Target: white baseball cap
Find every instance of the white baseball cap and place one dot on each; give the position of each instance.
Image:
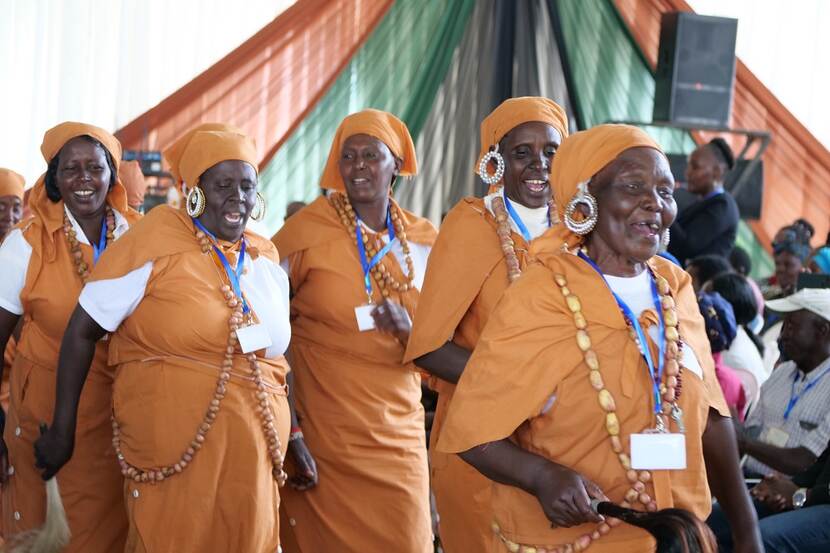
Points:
(816, 300)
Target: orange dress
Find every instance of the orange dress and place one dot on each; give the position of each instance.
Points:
(97, 520)
(468, 254)
(359, 405)
(167, 353)
(527, 380)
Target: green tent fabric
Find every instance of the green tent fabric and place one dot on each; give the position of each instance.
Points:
(399, 69)
(611, 81)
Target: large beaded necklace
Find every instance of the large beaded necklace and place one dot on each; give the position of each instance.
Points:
(81, 266)
(669, 389)
(266, 415)
(504, 232)
(382, 276)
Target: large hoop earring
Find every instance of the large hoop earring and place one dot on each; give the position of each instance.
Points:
(582, 197)
(195, 202)
(494, 155)
(258, 212)
(665, 239)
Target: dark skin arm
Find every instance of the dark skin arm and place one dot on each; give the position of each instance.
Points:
(565, 496)
(306, 476)
(720, 452)
(447, 362)
(54, 448)
(787, 460)
(8, 325)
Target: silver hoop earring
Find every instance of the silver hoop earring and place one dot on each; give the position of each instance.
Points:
(258, 212)
(482, 166)
(665, 239)
(582, 197)
(195, 202)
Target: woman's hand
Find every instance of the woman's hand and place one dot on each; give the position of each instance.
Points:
(392, 318)
(306, 476)
(566, 496)
(52, 450)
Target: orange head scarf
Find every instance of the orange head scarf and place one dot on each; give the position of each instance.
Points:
(515, 111)
(11, 184)
(175, 150)
(199, 150)
(134, 181)
(581, 156)
(379, 124)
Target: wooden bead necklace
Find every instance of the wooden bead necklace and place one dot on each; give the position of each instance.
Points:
(81, 266)
(264, 410)
(373, 243)
(505, 234)
(670, 392)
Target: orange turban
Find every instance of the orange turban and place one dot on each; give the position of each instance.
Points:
(11, 184)
(134, 181)
(581, 156)
(175, 151)
(513, 112)
(379, 124)
(199, 150)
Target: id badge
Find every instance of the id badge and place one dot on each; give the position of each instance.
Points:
(777, 437)
(253, 338)
(363, 314)
(658, 451)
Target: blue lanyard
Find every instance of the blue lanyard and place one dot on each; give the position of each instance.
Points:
(656, 373)
(361, 248)
(233, 274)
(518, 220)
(102, 243)
(795, 397)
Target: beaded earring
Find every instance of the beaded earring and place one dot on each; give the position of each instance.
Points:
(582, 197)
(259, 208)
(195, 202)
(665, 239)
(494, 155)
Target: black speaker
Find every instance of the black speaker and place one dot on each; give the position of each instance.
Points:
(695, 69)
(749, 197)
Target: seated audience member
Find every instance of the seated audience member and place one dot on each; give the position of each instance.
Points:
(820, 261)
(720, 329)
(708, 226)
(790, 254)
(744, 354)
(704, 268)
(791, 424)
(806, 227)
(742, 264)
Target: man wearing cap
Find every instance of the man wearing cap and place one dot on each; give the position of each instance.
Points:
(11, 200)
(790, 426)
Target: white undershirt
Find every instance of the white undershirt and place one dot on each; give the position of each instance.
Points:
(15, 253)
(535, 218)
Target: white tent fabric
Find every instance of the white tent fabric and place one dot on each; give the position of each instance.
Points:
(106, 61)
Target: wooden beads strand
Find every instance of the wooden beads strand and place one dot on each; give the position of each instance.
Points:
(382, 276)
(81, 266)
(267, 417)
(504, 232)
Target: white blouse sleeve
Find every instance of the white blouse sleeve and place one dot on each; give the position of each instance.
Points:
(111, 301)
(15, 254)
(265, 284)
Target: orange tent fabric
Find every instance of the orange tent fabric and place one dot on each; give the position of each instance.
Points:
(358, 404)
(271, 82)
(97, 522)
(794, 161)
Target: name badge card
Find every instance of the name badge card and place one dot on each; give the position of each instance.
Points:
(658, 451)
(363, 314)
(777, 437)
(253, 338)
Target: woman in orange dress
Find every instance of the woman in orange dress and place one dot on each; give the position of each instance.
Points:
(593, 378)
(79, 208)
(197, 309)
(470, 252)
(358, 405)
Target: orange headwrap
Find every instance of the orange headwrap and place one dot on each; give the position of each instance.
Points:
(174, 152)
(134, 181)
(581, 156)
(382, 125)
(11, 184)
(56, 137)
(513, 112)
(198, 151)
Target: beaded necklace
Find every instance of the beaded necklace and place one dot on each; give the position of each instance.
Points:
(504, 232)
(669, 388)
(373, 244)
(81, 266)
(264, 408)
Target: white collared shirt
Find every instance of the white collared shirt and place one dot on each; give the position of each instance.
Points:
(536, 219)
